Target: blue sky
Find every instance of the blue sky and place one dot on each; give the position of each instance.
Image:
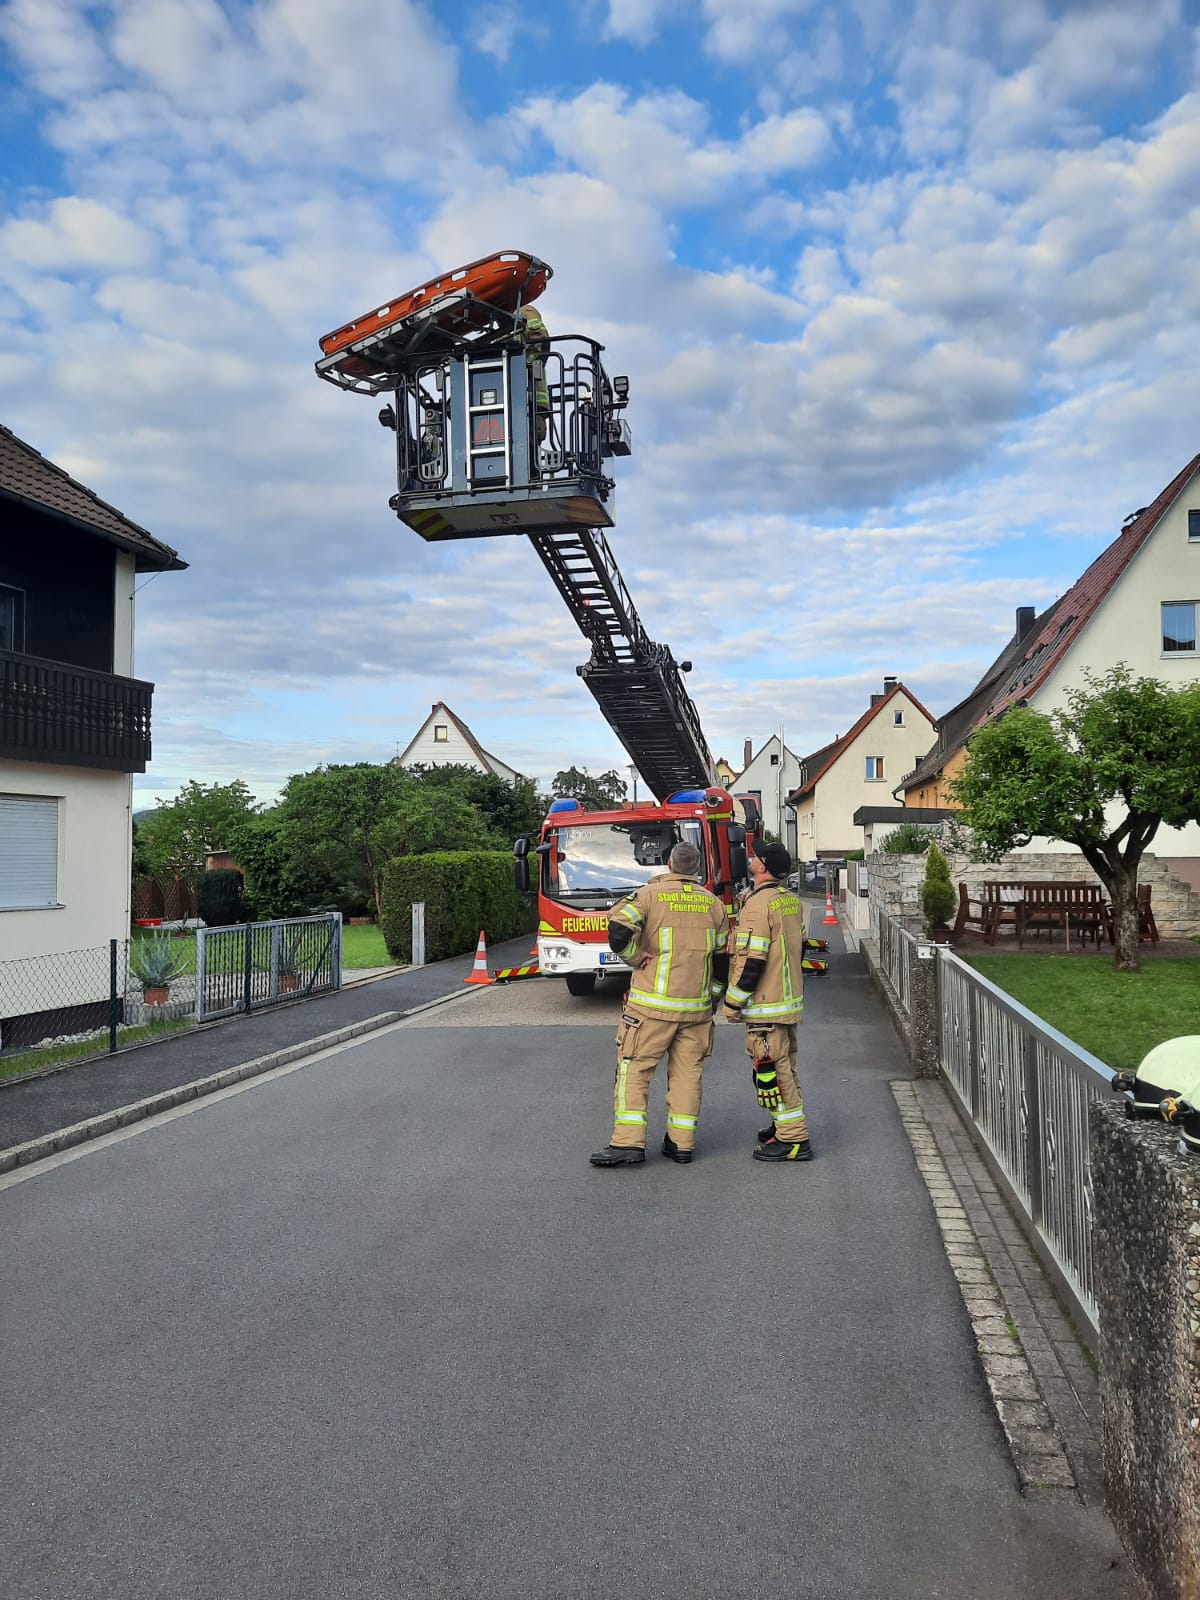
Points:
(907, 295)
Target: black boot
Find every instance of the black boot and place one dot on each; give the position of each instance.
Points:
(766, 1133)
(614, 1155)
(778, 1150)
(674, 1153)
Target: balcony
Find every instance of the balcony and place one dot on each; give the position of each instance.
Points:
(70, 716)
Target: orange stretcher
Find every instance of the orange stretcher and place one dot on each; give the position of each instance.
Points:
(507, 279)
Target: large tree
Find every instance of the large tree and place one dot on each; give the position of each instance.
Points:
(605, 792)
(172, 841)
(508, 809)
(1102, 775)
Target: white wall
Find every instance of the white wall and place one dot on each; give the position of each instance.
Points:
(760, 775)
(453, 751)
(1127, 627)
(845, 787)
(94, 847)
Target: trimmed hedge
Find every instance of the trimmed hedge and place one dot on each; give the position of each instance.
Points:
(219, 897)
(463, 891)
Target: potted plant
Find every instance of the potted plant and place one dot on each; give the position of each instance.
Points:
(155, 963)
(290, 952)
(938, 899)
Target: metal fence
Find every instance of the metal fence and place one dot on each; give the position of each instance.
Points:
(896, 955)
(76, 1004)
(256, 964)
(1027, 1089)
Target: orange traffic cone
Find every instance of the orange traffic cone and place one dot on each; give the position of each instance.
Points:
(479, 972)
(830, 917)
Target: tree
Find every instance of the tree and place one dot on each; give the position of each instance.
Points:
(909, 839)
(938, 898)
(277, 883)
(605, 792)
(508, 809)
(172, 842)
(1102, 775)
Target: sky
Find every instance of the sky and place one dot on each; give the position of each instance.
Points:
(907, 295)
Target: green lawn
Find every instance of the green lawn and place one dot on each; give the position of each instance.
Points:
(1117, 1016)
(361, 947)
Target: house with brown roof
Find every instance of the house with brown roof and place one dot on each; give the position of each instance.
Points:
(1138, 603)
(444, 740)
(857, 769)
(74, 728)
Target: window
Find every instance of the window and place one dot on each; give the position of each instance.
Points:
(1194, 526)
(774, 761)
(441, 733)
(1179, 628)
(28, 851)
(897, 719)
(12, 618)
(874, 769)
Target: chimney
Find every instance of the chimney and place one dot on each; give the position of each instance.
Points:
(747, 754)
(875, 699)
(1025, 616)
(889, 684)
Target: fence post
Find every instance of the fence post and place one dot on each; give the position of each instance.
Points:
(336, 962)
(249, 970)
(201, 971)
(418, 933)
(1033, 1129)
(974, 1065)
(112, 995)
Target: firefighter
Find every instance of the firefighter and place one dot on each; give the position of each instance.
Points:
(766, 992)
(673, 933)
(535, 337)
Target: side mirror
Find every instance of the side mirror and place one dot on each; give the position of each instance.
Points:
(737, 834)
(521, 846)
(739, 866)
(521, 874)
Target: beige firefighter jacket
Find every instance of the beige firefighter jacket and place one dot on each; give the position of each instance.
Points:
(770, 928)
(679, 926)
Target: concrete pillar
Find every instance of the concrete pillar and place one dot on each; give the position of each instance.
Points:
(923, 1012)
(1147, 1259)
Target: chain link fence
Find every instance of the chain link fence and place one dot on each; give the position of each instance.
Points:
(76, 1004)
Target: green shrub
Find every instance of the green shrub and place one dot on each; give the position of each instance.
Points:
(938, 896)
(463, 891)
(909, 839)
(219, 897)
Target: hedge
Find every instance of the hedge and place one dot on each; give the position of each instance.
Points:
(219, 897)
(463, 891)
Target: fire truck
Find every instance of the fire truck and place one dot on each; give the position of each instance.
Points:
(504, 429)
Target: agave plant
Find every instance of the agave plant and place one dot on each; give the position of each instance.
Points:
(155, 961)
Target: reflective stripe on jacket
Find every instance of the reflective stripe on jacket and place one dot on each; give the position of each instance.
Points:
(679, 926)
(770, 928)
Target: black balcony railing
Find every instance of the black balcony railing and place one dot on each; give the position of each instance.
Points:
(71, 716)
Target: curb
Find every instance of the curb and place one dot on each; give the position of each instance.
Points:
(59, 1139)
(1039, 1454)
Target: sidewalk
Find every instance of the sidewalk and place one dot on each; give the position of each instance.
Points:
(62, 1099)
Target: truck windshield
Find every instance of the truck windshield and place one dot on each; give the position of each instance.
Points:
(615, 858)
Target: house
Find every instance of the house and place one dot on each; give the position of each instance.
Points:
(767, 775)
(74, 728)
(1138, 603)
(856, 770)
(444, 740)
(725, 773)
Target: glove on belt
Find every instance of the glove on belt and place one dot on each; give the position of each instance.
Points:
(766, 1085)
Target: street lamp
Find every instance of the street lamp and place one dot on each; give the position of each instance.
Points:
(633, 775)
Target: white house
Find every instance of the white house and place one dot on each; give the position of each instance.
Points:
(1138, 603)
(74, 728)
(768, 775)
(857, 769)
(444, 740)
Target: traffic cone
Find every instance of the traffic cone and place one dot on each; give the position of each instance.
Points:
(479, 972)
(829, 920)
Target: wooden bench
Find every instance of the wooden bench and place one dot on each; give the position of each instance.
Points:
(997, 905)
(1075, 907)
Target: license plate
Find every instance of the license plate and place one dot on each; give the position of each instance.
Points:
(610, 958)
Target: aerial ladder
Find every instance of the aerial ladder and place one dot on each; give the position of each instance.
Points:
(500, 431)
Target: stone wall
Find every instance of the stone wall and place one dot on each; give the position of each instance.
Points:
(1147, 1259)
(895, 881)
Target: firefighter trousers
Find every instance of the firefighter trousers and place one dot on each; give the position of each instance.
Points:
(641, 1043)
(777, 1041)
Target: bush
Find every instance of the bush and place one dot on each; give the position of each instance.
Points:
(219, 897)
(938, 896)
(463, 891)
(909, 839)
(157, 961)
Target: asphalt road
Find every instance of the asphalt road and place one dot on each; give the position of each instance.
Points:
(373, 1327)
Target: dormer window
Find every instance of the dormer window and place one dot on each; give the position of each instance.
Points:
(441, 733)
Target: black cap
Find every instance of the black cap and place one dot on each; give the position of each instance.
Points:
(774, 857)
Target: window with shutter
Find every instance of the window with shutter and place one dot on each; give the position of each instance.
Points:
(28, 851)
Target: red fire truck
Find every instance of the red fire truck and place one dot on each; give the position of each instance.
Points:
(502, 432)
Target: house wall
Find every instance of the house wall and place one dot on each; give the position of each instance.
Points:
(453, 752)
(937, 791)
(763, 778)
(845, 786)
(66, 577)
(1127, 627)
(94, 843)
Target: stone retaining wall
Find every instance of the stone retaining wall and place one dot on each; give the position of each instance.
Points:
(895, 882)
